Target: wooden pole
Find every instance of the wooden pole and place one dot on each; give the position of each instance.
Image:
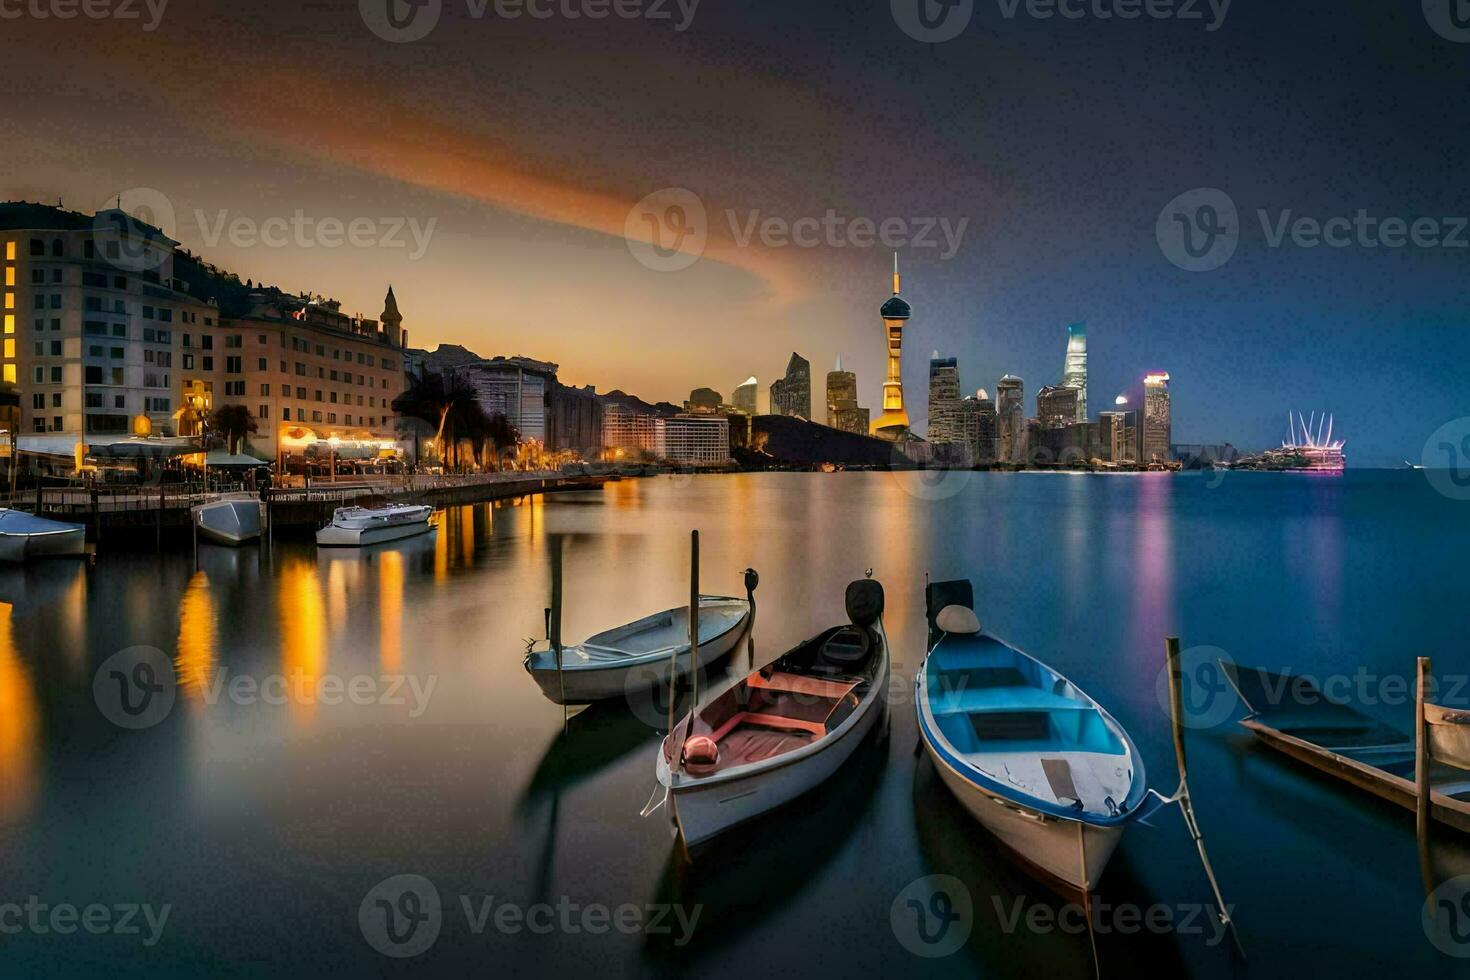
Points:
(556, 623)
(1176, 702)
(158, 523)
(96, 520)
(1422, 760)
(694, 618)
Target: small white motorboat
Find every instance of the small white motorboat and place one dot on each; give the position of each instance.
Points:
(356, 527)
(637, 657)
(1035, 760)
(24, 537)
(782, 730)
(232, 520)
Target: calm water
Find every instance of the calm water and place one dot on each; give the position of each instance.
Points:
(264, 825)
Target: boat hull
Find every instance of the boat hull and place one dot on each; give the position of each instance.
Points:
(41, 539)
(584, 685)
(1068, 855)
(333, 536)
(702, 809)
(229, 522)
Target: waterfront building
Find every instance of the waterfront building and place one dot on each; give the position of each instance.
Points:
(310, 373)
(1011, 419)
(894, 422)
(1056, 406)
(979, 428)
(518, 388)
(694, 440)
(1074, 369)
(110, 330)
(841, 387)
(1157, 421)
(93, 319)
(689, 439)
(627, 434)
(792, 395)
(944, 400)
(1111, 436)
(745, 396)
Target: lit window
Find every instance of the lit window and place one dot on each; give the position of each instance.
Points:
(10, 301)
(10, 251)
(10, 368)
(10, 323)
(10, 275)
(10, 347)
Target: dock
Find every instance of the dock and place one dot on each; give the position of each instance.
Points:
(138, 518)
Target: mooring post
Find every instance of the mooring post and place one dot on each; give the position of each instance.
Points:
(158, 524)
(96, 519)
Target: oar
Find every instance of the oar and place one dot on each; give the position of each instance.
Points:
(1186, 805)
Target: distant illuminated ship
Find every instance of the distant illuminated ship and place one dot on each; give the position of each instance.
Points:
(1309, 449)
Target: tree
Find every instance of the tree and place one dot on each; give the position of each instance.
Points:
(231, 423)
(449, 403)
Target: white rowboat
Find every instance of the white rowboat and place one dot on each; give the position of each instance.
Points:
(232, 520)
(1035, 760)
(24, 537)
(636, 657)
(781, 731)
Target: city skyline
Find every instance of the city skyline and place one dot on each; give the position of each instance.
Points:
(537, 187)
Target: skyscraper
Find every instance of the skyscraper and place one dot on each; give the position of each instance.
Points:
(1056, 407)
(744, 397)
(1074, 370)
(1158, 428)
(1011, 417)
(894, 422)
(792, 395)
(944, 400)
(841, 386)
(978, 428)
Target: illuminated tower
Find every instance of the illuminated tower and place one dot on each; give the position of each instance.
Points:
(894, 422)
(1157, 419)
(744, 397)
(392, 320)
(1074, 371)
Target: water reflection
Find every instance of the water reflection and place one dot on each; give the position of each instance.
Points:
(18, 727)
(197, 638)
(303, 618)
(390, 611)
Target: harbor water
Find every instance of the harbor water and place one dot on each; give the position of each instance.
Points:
(327, 721)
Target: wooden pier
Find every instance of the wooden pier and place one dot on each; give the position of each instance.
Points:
(140, 518)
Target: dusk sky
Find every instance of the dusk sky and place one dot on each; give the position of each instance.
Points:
(1054, 143)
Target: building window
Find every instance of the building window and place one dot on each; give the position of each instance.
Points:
(232, 365)
(208, 363)
(263, 412)
(38, 248)
(188, 362)
(10, 251)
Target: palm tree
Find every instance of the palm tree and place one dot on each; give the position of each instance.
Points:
(450, 404)
(232, 423)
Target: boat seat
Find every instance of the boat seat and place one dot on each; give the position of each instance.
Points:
(973, 700)
(847, 647)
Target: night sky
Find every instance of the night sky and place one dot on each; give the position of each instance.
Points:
(1055, 142)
